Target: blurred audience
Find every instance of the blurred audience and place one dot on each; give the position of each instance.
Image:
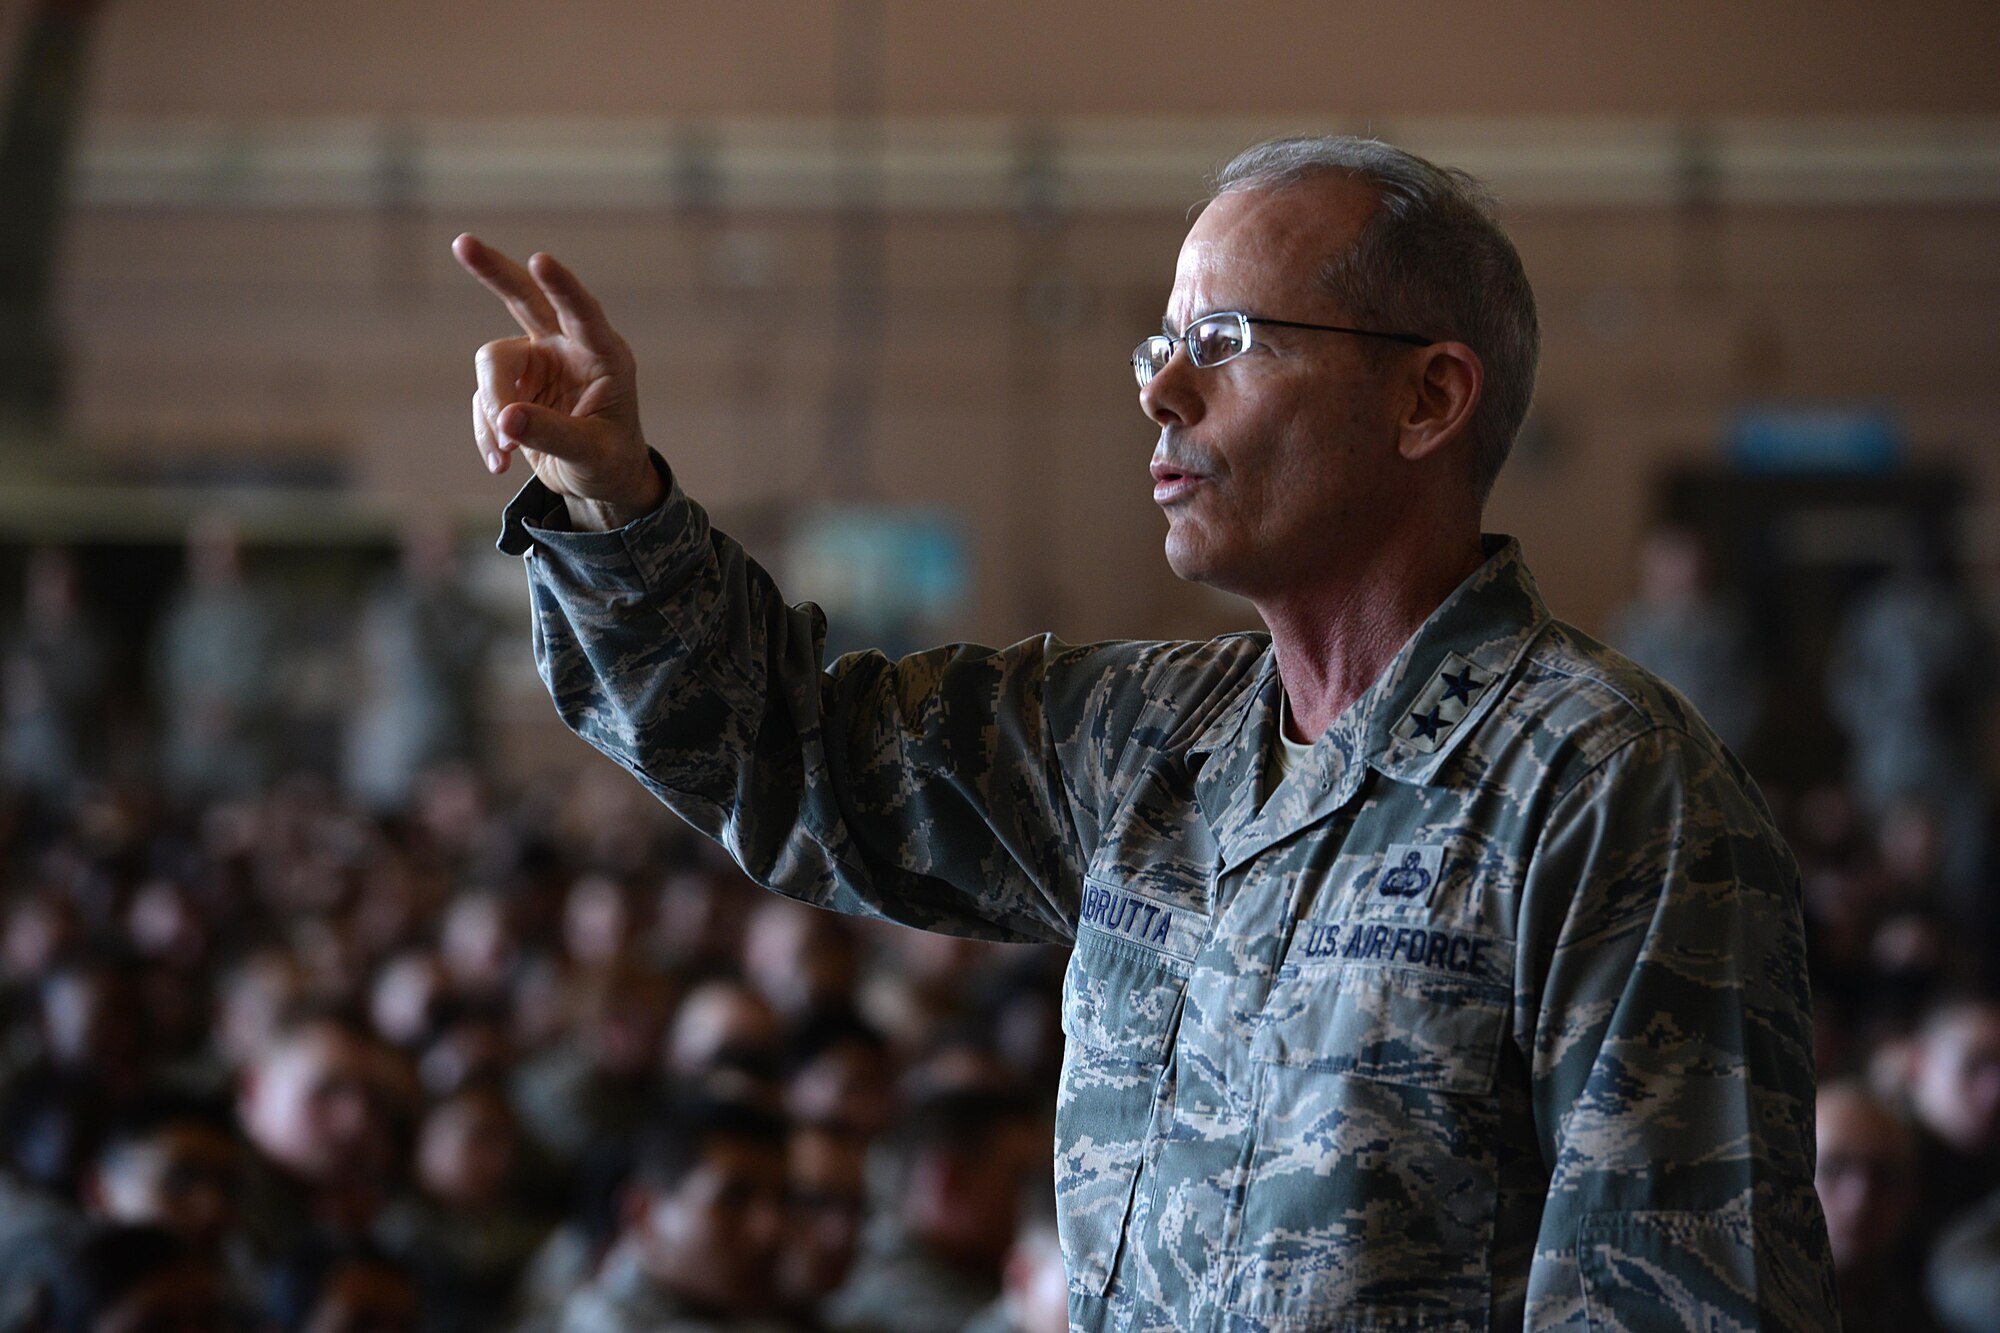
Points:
(431, 1054)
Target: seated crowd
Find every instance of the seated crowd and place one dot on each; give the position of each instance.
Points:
(545, 1062)
(540, 1063)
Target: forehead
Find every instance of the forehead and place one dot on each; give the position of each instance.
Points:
(825, 1157)
(1265, 242)
(732, 1157)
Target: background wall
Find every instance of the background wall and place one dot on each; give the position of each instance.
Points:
(1717, 204)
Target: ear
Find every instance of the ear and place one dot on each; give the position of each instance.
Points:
(1446, 389)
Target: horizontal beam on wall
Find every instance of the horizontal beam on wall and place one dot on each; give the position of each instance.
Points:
(988, 165)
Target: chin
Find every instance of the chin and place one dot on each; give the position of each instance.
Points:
(1185, 556)
(1195, 561)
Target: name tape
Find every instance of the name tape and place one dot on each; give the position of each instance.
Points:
(1127, 916)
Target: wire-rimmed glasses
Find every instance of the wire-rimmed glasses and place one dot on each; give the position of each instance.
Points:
(1225, 335)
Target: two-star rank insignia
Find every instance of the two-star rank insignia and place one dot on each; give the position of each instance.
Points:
(1442, 703)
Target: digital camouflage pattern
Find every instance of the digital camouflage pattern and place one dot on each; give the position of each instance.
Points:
(1494, 1014)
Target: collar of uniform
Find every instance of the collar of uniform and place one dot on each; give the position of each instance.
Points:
(1221, 730)
(1417, 712)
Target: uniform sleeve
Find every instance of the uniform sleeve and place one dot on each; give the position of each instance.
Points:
(954, 790)
(1666, 1022)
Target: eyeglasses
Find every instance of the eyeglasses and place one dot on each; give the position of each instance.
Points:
(1225, 335)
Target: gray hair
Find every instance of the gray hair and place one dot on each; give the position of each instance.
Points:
(1431, 260)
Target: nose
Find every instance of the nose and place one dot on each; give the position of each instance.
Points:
(1173, 396)
(764, 1228)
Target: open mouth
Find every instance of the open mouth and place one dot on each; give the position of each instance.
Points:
(1172, 483)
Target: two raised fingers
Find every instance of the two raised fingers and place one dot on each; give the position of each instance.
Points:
(545, 298)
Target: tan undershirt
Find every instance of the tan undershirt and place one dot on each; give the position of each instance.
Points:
(1287, 754)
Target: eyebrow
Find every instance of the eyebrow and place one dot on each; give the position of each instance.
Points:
(1168, 329)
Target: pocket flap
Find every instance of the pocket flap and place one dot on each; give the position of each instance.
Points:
(1390, 1024)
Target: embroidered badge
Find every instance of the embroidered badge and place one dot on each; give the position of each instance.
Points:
(1442, 703)
(1409, 871)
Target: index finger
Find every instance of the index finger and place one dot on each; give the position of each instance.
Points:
(582, 317)
(511, 283)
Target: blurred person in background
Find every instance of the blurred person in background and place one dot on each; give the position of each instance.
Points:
(321, 1285)
(91, 1067)
(601, 1082)
(723, 1024)
(479, 943)
(1963, 1278)
(167, 930)
(1867, 1181)
(924, 989)
(1034, 1293)
(408, 998)
(1953, 1091)
(55, 667)
(136, 1279)
(802, 960)
(1911, 679)
(1679, 628)
(95, 1038)
(464, 1234)
(174, 1163)
(326, 1104)
(423, 642)
(215, 673)
(825, 1205)
(698, 927)
(600, 923)
(259, 995)
(842, 1072)
(931, 1259)
(702, 1225)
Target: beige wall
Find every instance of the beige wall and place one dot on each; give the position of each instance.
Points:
(337, 330)
(1317, 57)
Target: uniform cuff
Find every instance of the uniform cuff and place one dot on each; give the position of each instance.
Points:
(647, 549)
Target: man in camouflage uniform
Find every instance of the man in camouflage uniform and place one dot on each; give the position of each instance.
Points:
(1434, 967)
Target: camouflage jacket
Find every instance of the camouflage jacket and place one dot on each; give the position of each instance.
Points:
(1493, 1015)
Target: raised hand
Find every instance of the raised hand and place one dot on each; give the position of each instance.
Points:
(563, 395)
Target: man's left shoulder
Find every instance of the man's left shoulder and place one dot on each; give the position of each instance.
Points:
(1579, 701)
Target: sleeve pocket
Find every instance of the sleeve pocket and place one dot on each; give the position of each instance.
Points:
(1121, 998)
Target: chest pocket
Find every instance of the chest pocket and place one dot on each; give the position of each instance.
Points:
(1374, 1180)
(1122, 1001)
(1391, 1002)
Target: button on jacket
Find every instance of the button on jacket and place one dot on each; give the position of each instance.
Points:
(1492, 1014)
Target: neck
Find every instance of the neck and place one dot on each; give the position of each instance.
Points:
(1336, 634)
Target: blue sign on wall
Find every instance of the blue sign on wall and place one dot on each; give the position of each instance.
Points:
(882, 565)
(1815, 437)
